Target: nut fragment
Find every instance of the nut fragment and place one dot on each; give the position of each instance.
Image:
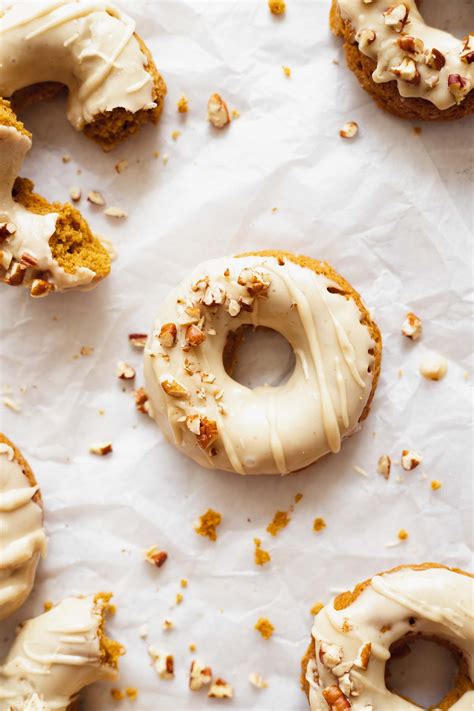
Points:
(199, 675)
(384, 465)
(396, 16)
(162, 663)
(28, 260)
(142, 401)
(330, 654)
(172, 388)
(208, 432)
(115, 212)
(220, 689)
(125, 371)
(335, 698)
(75, 193)
(96, 198)
(434, 367)
(214, 294)
(121, 165)
(258, 681)
(101, 449)
(410, 459)
(459, 87)
(217, 111)
(167, 335)
(194, 336)
(138, 340)
(363, 656)
(156, 557)
(407, 71)
(234, 308)
(7, 229)
(40, 288)
(16, 274)
(412, 326)
(349, 130)
(413, 45)
(467, 54)
(255, 281)
(435, 59)
(365, 37)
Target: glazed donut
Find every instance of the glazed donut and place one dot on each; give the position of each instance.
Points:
(43, 246)
(90, 47)
(222, 424)
(57, 654)
(22, 535)
(344, 666)
(410, 69)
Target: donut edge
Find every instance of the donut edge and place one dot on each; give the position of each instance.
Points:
(328, 271)
(386, 95)
(25, 467)
(345, 599)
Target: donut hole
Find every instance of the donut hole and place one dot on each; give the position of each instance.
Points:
(259, 356)
(453, 17)
(426, 671)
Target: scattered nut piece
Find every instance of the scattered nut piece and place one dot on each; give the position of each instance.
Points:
(279, 522)
(143, 631)
(410, 459)
(125, 371)
(131, 692)
(167, 625)
(96, 198)
(412, 326)
(349, 130)
(208, 523)
(402, 534)
(40, 288)
(138, 340)
(235, 114)
(156, 557)
(220, 689)
(317, 607)
(75, 193)
(101, 449)
(434, 367)
(115, 212)
(121, 165)
(319, 524)
(384, 465)
(258, 681)
(467, 54)
(261, 557)
(182, 105)
(167, 335)
(277, 7)
(86, 351)
(162, 663)
(11, 404)
(265, 627)
(435, 485)
(194, 336)
(142, 401)
(435, 59)
(459, 87)
(172, 388)
(396, 16)
(199, 675)
(175, 135)
(179, 598)
(217, 111)
(66, 158)
(117, 695)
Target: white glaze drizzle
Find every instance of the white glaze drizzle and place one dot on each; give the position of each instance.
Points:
(386, 52)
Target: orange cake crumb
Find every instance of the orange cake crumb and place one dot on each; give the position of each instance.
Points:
(402, 534)
(317, 607)
(208, 523)
(261, 556)
(277, 7)
(131, 692)
(279, 522)
(117, 695)
(47, 605)
(184, 583)
(265, 627)
(182, 105)
(319, 524)
(298, 498)
(179, 598)
(435, 485)
(286, 71)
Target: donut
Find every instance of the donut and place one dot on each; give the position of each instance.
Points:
(345, 664)
(411, 69)
(91, 48)
(57, 654)
(44, 246)
(22, 535)
(269, 430)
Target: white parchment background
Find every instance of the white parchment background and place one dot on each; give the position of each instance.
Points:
(391, 210)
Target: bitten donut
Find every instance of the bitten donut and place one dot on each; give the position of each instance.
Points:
(268, 430)
(345, 664)
(411, 69)
(22, 536)
(91, 48)
(43, 246)
(57, 654)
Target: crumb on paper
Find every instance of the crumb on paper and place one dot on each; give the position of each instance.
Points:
(156, 154)
(165, 159)
(258, 681)
(75, 193)
(179, 598)
(286, 71)
(317, 607)
(279, 522)
(101, 449)
(265, 627)
(117, 695)
(143, 631)
(434, 366)
(162, 663)
(121, 166)
(175, 135)
(182, 105)
(319, 524)
(131, 692)
(217, 111)
(116, 212)
(435, 485)
(349, 130)
(96, 198)
(403, 534)
(11, 404)
(66, 158)
(200, 675)
(261, 556)
(298, 498)
(156, 557)
(111, 609)
(361, 471)
(277, 7)
(125, 371)
(235, 114)
(183, 583)
(192, 647)
(137, 340)
(86, 351)
(47, 605)
(220, 689)
(418, 130)
(208, 524)
(384, 465)
(167, 625)
(412, 327)
(142, 401)
(410, 459)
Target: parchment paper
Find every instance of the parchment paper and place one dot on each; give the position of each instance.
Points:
(391, 210)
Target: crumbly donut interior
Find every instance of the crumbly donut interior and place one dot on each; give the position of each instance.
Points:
(110, 650)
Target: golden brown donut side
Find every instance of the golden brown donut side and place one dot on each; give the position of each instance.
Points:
(25, 467)
(349, 292)
(387, 95)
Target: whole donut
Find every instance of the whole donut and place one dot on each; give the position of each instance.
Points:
(411, 69)
(344, 666)
(22, 536)
(90, 47)
(268, 430)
